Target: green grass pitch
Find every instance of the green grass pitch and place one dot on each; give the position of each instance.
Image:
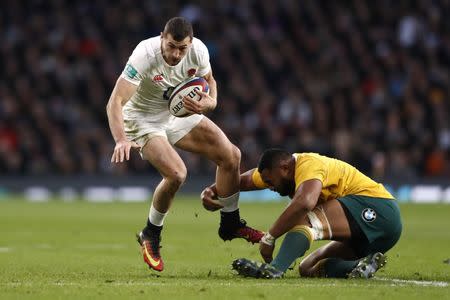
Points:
(80, 250)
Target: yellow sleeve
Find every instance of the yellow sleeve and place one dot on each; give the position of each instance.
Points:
(307, 168)
(257, 180)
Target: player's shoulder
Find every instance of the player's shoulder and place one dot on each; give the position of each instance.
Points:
(198, 46)
(149, 47)
(144, 55)
(310, 158)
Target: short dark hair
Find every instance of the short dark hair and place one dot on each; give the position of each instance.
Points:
(179, 28)
(271, 157)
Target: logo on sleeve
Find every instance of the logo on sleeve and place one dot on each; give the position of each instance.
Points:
(369, 215)
(192, 72)
(130, 71)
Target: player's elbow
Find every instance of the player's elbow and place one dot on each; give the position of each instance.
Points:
(310, 203)
(108, 108)
(304, 204)
(213, 105)
(210, 79)
(112, 100)
(115, 103)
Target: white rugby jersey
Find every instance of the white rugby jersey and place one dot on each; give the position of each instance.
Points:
(147, 68)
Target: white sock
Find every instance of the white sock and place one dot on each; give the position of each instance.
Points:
(230, 203)
(155, 217)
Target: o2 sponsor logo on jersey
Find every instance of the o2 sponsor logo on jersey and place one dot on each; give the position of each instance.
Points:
(191, 72)
(369, 215)
(167, 93)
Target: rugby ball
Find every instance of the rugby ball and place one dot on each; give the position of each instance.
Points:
(186, 89)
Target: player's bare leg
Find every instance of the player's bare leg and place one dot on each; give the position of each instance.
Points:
(312, 265)
(338, 259)
(208, 140)
(169, 164)
(166, 160)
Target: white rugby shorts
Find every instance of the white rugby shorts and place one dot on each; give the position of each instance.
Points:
(142, 127)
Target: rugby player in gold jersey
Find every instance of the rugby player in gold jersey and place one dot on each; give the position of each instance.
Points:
(331, 200)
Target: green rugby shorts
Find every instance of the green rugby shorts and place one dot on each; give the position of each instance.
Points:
(375, 222)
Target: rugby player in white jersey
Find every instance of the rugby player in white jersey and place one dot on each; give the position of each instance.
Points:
(139, 118)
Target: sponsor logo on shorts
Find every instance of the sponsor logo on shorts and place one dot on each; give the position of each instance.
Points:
(369, 215)
(130, 71)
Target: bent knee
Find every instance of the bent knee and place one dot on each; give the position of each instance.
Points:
(304, 270)
(176, 177)
(229, 157)
(235, 155)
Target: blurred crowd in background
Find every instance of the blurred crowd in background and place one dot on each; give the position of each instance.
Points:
(364, 81)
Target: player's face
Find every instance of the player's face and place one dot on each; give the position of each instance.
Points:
(174, 51)
(279, 181)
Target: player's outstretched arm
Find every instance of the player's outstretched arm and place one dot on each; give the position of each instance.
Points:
(209, 194)
(122, 92)
(247, 183)
(304, 201)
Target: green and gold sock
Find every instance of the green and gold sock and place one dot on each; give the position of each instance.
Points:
(295, 244)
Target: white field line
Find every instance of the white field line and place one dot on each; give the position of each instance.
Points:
(394, 281)
(261, 283)
(413, 282)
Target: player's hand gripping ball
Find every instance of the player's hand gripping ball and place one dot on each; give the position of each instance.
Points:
(188, 89)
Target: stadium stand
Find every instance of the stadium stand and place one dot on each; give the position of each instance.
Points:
(365, 81)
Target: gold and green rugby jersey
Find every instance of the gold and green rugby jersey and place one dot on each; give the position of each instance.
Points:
(338, 178)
